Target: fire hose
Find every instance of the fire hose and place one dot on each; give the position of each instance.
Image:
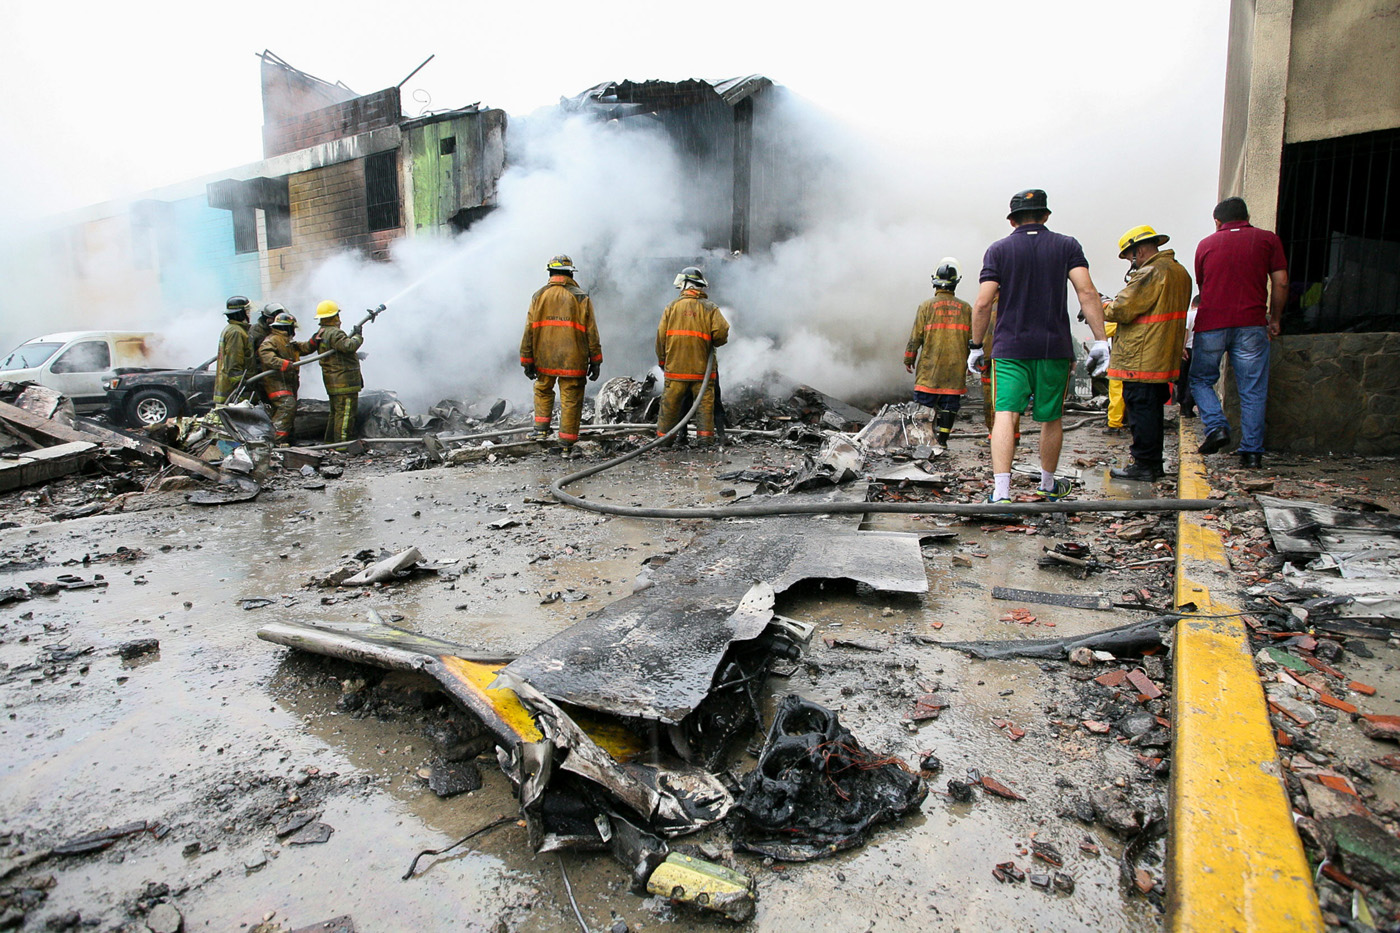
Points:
(248, 381)
(556, 489)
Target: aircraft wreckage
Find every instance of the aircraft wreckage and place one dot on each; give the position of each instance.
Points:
(611, 731)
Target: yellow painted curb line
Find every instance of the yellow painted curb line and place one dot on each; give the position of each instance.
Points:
(1234, 860)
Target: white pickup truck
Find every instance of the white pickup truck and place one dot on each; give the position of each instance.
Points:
(79, 364)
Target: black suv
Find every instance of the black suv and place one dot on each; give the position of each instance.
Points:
(138, 397)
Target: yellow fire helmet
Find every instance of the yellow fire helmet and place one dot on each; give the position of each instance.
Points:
(327, 309)
(1139, 235)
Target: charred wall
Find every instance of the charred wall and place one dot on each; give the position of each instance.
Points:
(338, 121)
(329, 214)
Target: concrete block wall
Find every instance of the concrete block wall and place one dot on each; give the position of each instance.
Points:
(328, 217)
(1336, 393)
(337, 121)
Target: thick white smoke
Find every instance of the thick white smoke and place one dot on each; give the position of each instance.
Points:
(606, 197)
(831, 305)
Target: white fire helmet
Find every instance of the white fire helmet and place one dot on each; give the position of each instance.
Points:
(949, 273)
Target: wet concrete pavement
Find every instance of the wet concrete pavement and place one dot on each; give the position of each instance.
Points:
(215, 734)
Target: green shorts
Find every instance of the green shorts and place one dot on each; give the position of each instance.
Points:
(1015, 382)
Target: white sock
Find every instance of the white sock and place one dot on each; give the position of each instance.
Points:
(1047, 480)
(1001, 485)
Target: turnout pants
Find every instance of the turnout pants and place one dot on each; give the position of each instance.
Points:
(676, 399)
(283, 403)
(345, 406)
(570, 405)
(1116, 403)
(1144, 402)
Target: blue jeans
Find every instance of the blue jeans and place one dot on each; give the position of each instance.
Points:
(1249, 359)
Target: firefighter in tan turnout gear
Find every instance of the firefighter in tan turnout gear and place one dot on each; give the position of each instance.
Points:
(340, 371)
(942, 328)
(235, 360)
(691, 326)
(1150, 313)
(560, 345)
(279, 354)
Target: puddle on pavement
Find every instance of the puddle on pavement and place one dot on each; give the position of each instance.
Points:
(121, 742)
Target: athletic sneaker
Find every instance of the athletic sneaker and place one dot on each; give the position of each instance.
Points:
(1062, 489)
(1009, 516)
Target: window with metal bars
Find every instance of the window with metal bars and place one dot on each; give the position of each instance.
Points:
(1341, 233)
(382, 190)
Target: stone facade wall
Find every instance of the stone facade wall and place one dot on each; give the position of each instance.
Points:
(1336, 393)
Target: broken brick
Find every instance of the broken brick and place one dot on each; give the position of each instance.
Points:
(1112, 678)
(1337, 782)
(1335, 703)
(1336, 874)
(1283, 739)
(1391, 761)
(1000, 789)
(1143, 684)
(1363, 689)
(1385, 728)
(1143, 880)
(1325, 668)
(1096, 727)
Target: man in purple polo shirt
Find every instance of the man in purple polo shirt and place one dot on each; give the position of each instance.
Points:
(1024, 275)
(1243, 282)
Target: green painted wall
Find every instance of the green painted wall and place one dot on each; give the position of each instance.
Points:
(445, 183)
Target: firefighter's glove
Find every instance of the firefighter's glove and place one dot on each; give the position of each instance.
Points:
(357, 330)
(1097, 363)
(974, 361)
(594, 368)
(531, 372)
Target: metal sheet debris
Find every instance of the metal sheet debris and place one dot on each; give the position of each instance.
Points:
(1072, 600)
(537, 741)
(654, 654)
(1353, 555)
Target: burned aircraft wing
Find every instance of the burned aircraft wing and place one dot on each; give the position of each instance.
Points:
(537, 739)
(654, 655)
(651, 655)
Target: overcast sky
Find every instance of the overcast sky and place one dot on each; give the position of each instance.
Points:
(1114, 108)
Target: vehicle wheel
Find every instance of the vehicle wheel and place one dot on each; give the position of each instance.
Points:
(150, 406)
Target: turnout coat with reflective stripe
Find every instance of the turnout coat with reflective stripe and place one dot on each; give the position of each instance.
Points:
(690, 326)
(1150, 313)
(561, 336)
(235, 359)
(939, 339)
(340, 371)
(276, 353)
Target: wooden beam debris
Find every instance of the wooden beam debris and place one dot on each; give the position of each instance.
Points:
(40, 466)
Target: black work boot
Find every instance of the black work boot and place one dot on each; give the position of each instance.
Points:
(1251, 460)
(1215, 440)
(944, 420)
(1140, 472)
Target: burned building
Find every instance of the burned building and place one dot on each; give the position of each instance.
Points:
(729, 137)
(341, 172)
(345, 171)
(1311, 141)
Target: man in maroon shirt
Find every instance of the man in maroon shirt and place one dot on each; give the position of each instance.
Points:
(1243, 281)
